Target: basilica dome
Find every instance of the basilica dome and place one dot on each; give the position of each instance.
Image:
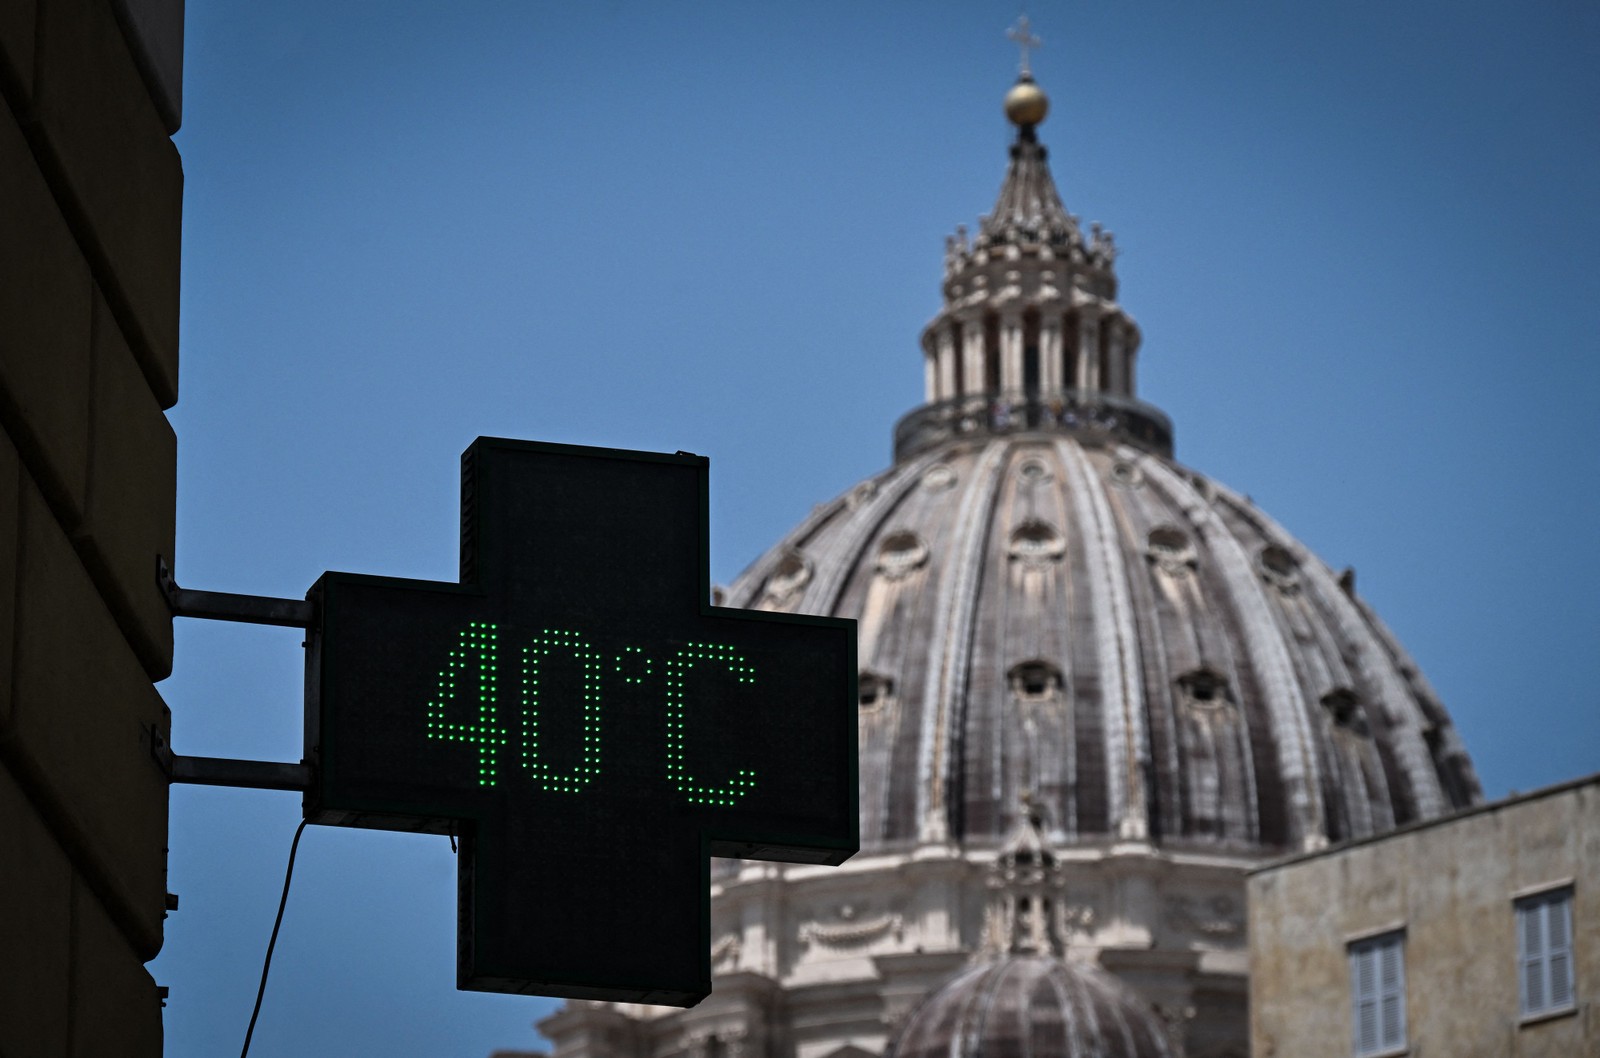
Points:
(1049, 604)
(1026, 1005)
(1097, 689)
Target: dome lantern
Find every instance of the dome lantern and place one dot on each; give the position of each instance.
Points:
(1031, 337)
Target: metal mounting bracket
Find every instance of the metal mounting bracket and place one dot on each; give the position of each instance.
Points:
(248, 774)
(226, 771)
(226, 606)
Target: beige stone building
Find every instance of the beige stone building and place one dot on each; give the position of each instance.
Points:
(90, 206)
(1473, 935)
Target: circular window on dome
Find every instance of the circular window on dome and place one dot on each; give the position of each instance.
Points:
(1034, 680)
(861, 494)
(940, 476)
(786, 582)
(1033, 472)
(900, 553)
(1126, 474)
(1279, 568)
(875, 691)
(1037, 543)
(1171, 549)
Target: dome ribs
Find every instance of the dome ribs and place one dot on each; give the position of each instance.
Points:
(1125, 584)
(835, 557)
(896, 614)
(1397, 698)
(748, 586)
(1090, 798)
(938, 787)
(1204, 778)
(1127, 745)
(1017, 729)
(1354, 781)
(1267, 655)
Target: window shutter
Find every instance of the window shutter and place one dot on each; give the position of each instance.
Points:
(1378, 994)
(1393, 982)
(1544, 952)
(1530, 938)
(1364, 995)
(1558, 923)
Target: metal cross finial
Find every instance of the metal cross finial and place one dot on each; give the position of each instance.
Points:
(1023, 35)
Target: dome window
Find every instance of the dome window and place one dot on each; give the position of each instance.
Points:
(1344, 709)
(1034, 680)
(1033, 472)
(1205, 687)
(1037, 543)
(1279, 568)
(900, 553)
(786, 583)
(1171, 549)
(861, 494)
(1126, 474)
(940, 476)
(874, 690)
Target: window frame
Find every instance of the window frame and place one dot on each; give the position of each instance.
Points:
(1536, 908)
(1367, 954)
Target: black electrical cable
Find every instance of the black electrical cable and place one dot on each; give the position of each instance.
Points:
(288, 875)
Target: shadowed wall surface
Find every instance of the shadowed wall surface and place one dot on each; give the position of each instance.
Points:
(90, 204)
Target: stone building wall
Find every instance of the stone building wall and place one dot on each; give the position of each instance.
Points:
(90, 208)
(1449, 888)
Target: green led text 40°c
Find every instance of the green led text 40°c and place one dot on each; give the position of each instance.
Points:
(473, 671)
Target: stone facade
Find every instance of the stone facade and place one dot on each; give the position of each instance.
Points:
(90, 205)
(1450, 893)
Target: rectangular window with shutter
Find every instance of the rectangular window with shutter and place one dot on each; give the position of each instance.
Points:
(1544, 953)
(1378, 995)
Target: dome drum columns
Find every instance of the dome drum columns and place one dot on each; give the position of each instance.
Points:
(1029, 349)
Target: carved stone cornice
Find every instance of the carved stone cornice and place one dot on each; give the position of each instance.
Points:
(851, 932)
(1100, 415)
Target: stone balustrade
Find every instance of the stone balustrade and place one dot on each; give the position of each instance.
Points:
(1068, 411)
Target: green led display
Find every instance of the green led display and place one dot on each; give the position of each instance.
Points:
(588, 727)
(473, 661)
(676, 706)
(477, 653)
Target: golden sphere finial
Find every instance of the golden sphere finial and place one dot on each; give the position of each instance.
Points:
(1026, 103)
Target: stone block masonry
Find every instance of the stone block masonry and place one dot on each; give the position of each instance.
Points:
(90, 221)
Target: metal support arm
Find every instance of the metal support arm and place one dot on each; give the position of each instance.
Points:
(248, 774)
(226, 606)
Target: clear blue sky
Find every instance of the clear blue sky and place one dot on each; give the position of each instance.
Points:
(1362, 240)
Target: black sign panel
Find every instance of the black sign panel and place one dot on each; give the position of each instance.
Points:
(584, 721)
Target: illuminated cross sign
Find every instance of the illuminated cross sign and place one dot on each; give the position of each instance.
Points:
(584, 721)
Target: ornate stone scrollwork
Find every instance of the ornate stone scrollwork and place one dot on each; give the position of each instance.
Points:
(786, 583)
(1170, 549)
(850, 931)
(875, 690)
(900, 554)
(725, 951)
(939, 477)
(1076, 918)
(1216, 917)
(1036, 543)
(1127, 475)
(860, 494)
(1279, 568)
